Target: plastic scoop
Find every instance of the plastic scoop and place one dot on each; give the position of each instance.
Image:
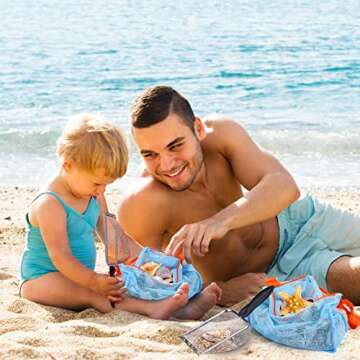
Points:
(225, 331)
(119, 247)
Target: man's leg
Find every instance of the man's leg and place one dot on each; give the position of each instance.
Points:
(336, 233)
(343, 276)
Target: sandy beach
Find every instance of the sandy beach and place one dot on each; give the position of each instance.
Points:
(31, 331)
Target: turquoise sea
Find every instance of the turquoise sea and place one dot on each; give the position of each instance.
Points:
(289, 71)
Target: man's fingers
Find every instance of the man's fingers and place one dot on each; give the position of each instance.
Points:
(187, 252)
(262, 278)
(184, 241)
(193, 240)
(174, 241)
(205, 244)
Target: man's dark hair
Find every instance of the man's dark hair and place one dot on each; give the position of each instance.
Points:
(156, 103)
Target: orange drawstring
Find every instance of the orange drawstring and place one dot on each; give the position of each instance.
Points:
(272, 282)
(348, 307)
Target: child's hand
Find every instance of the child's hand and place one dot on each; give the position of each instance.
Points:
(108, 286)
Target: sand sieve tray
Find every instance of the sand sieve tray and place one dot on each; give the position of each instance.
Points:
(225, 331)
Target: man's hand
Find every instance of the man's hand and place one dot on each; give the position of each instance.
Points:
(196, 237)
(110, 287)
(241, 287)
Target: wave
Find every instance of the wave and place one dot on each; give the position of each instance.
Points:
(295, 142)
(33, 141)
(306, 142)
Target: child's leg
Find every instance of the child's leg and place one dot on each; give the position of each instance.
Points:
(160, 309)
(55, 289)
(200, 304)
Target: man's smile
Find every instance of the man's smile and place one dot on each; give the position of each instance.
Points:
(175, 172)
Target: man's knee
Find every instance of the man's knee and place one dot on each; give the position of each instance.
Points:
(342, 277)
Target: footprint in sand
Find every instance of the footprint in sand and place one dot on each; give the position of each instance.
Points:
(5, 276)
(23, 306)
(32, 341)
(47, 313)
(93, 331)
(12, 323)
(170, 336)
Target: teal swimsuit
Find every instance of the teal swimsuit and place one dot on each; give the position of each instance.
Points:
(36, 261)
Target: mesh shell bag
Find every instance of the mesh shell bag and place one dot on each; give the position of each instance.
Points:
(321, 325)
(144, 286)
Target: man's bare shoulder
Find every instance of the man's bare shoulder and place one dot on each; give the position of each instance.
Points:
(220, 129)
(145, 194)
(144, 212)
(218, 122)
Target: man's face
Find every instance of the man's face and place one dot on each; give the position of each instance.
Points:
(171, 151)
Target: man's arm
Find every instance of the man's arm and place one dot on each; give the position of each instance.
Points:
(271, 189)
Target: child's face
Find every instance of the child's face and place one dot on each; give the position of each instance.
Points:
(85, 184)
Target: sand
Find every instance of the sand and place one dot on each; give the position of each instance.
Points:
(32, 331)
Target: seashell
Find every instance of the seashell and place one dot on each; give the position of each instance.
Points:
(150, 268)
(215, 336)
(227, 345)
(164, 272)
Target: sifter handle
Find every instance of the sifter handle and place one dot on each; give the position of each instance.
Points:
(256, 301)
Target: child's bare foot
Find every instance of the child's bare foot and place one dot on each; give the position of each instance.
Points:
(200, 304)
(160, 309)
(163, 309)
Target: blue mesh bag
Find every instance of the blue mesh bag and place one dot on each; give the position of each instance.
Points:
(321, 325)
(141, 285)
(129, 260)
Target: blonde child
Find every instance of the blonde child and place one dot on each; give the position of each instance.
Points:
(57, 266)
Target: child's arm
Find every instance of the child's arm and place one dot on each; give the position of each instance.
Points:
(51, 219)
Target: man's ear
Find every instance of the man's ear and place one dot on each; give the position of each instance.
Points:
(199, 128)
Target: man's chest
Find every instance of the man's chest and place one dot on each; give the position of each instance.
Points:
(199, 206)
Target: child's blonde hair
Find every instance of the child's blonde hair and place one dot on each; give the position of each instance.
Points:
(92, 143)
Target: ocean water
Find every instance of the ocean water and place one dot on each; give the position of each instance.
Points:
(289, 71)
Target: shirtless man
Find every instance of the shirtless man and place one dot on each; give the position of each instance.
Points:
(193, 199)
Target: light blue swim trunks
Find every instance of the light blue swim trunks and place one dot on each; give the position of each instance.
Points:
(312, 236)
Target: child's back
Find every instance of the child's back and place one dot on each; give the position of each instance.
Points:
(80, 230)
